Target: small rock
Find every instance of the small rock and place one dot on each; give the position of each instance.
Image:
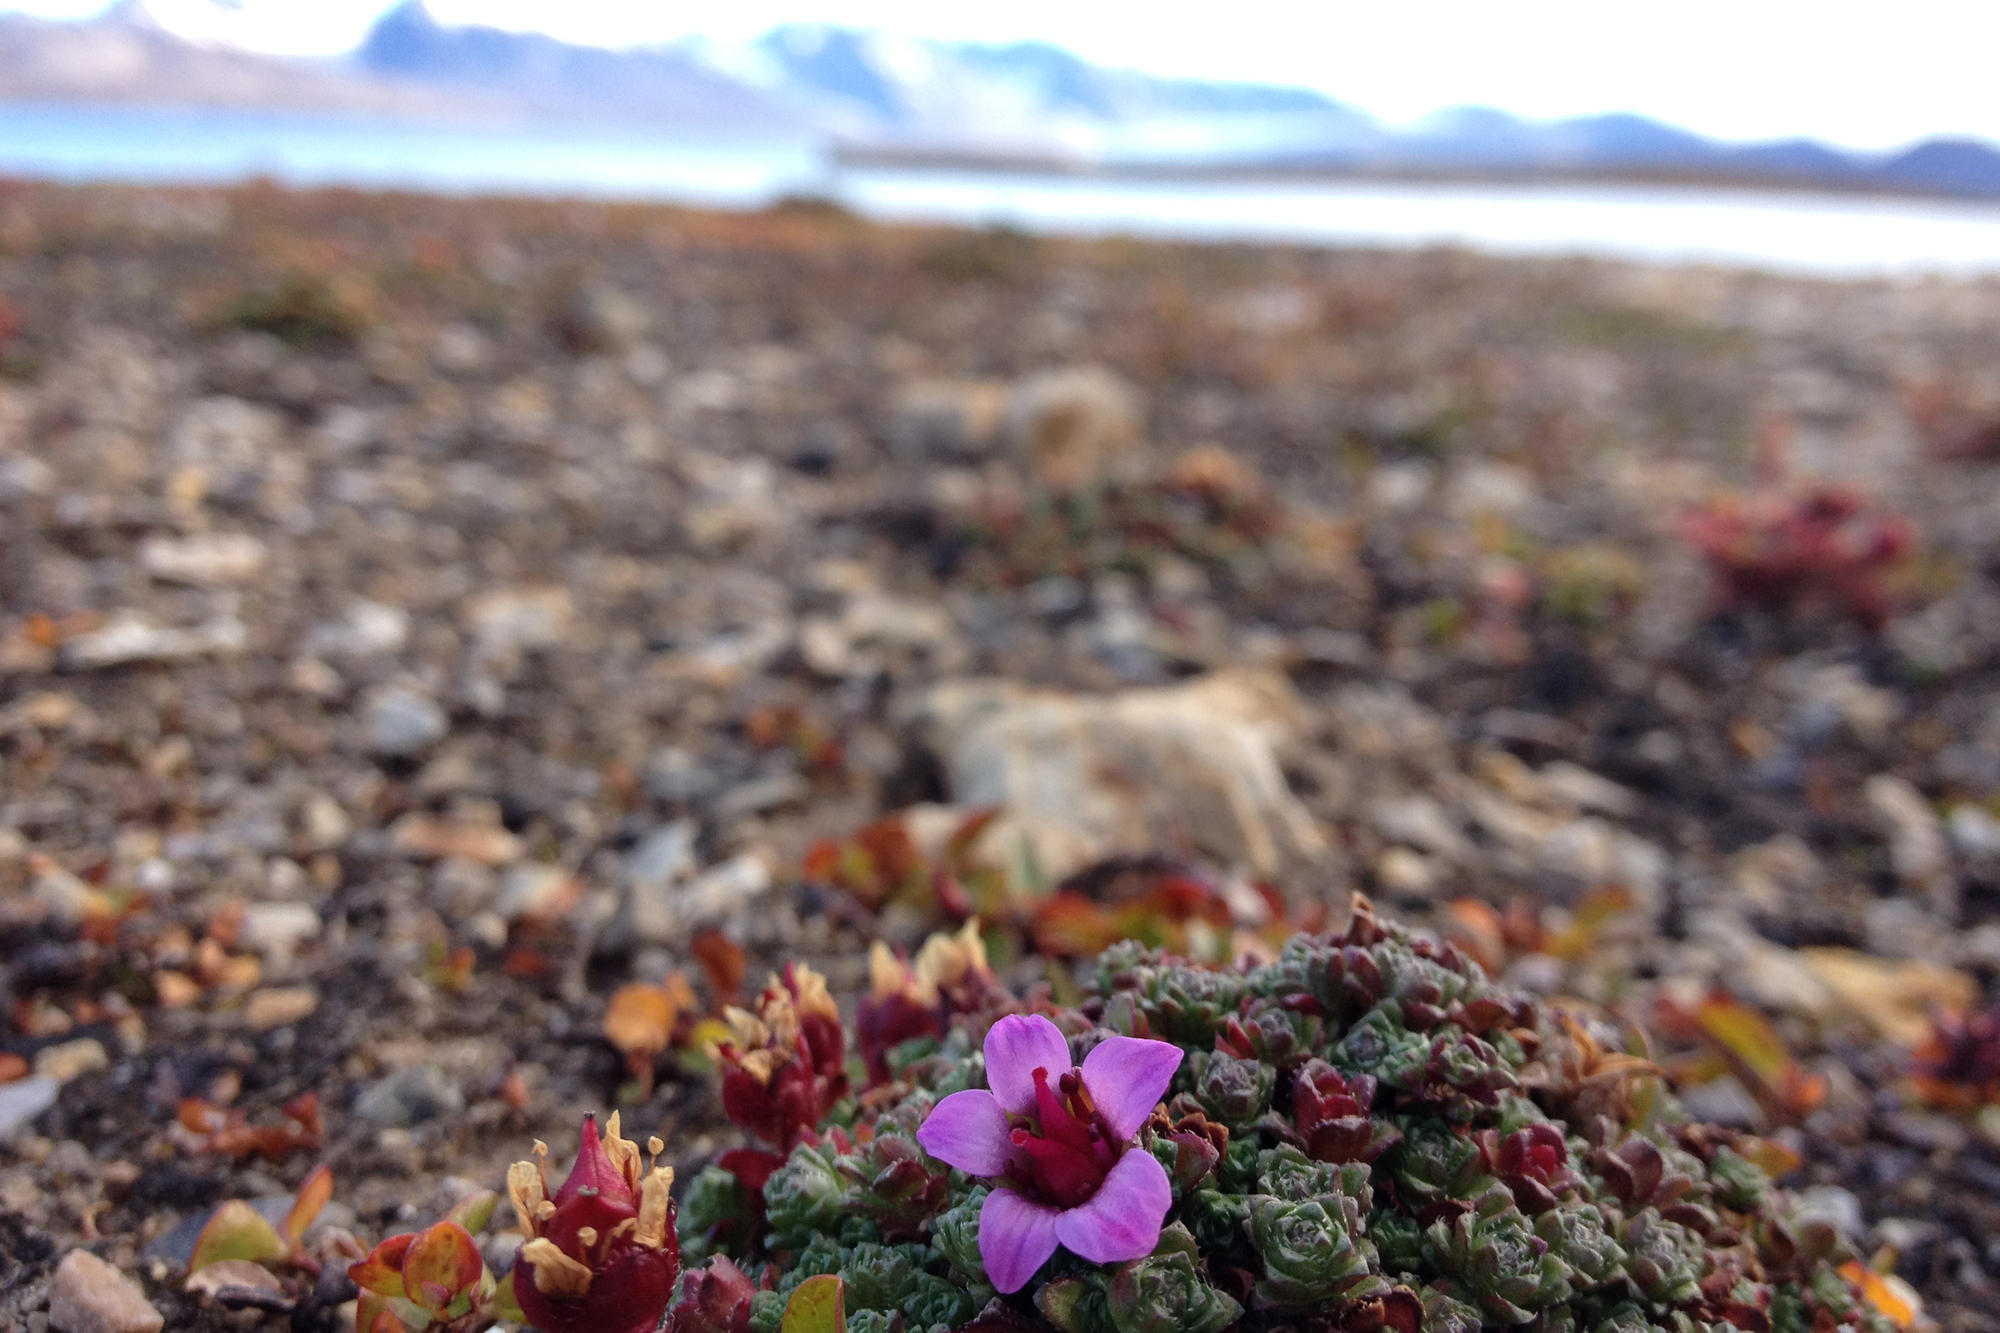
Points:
(1722, 1101)
(232, 1275)
(1832, 1204)
(724, 890)
(24, 1099)
(1586, 790)
(455, 839)
(677, 776)
(279, 1006)
(519, 619)
(404, 722)
(368, 629)
(1491, 488)
(762, 794)
(1087, 776)
(276, 930)
(409, 1097)
(1402, 871)
(1974, 832)
(1420, 822)
(536, 893)
(945, 419)
(127, 638)
(72, 1059)
(209, 559)
(1074, 425)
(87, 1295)
(1917, 845)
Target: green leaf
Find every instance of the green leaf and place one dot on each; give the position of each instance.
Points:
(816, 1307)
(473, 1211)
(238, 1231)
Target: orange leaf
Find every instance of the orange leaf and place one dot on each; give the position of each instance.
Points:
(640, 1019)
(382, 1271)
(312, 1196)
(441, 1270)
(1888, 1294)
(724, 962)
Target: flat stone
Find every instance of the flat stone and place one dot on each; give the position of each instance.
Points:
(276, 930)
(279, 1006)
(24, 1099)
(404, 722)
(87, 1295)
(409, 1097)
(72, 1059)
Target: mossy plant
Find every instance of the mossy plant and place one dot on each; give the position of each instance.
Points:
(1361, 1133)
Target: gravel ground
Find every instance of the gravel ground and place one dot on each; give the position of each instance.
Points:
(420, 618)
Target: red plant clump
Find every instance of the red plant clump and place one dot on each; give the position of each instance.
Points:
(1957, 1065)
(907, 1001)
(601, 1254)
(230, 1132)
(783, 1068)
(1787, 549)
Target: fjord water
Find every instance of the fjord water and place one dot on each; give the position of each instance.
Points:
(1840, 235)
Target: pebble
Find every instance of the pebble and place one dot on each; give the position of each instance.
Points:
(404, 722)
(87, 1295)
(279, 1006)
(1917, 846)
(409, 1097)
(207, 559)
(24, 1099)
(128, 638)
(1973, 832)
(72, 1059)
(1831, 1203)
(276, 930)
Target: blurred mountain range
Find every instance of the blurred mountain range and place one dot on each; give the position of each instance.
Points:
(884, 98)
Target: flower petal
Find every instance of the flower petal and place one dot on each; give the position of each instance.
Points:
(1016, 1046)
(1127, 1077)
(1016, 1237)
(1122, 1220)
(968, 1130)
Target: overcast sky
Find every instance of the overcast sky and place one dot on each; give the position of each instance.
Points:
(1867, 76)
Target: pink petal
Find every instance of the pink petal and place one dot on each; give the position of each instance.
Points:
(1016, 1047)
(1127, 1077)
(1122, 1220)
(1016, 1237)
(968, 1130)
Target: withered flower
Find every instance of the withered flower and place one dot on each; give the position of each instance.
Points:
(601, 1254)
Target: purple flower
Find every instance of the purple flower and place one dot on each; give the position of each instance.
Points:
(1057, 1141)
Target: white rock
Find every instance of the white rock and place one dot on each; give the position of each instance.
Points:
(24, 1099)
(404, 722)
(1975, 833)
(87, 1295)
(368, 629)
(276, 930)
(128, 637)
(1419, 821)
(1917, 847)
(1074, 425)
(1192, 766)
(209, 559)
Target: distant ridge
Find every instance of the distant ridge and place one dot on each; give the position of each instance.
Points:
(883, 98)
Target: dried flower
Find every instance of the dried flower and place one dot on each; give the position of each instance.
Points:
(601, 1254)
(1059, 1137)
(784, 1066)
